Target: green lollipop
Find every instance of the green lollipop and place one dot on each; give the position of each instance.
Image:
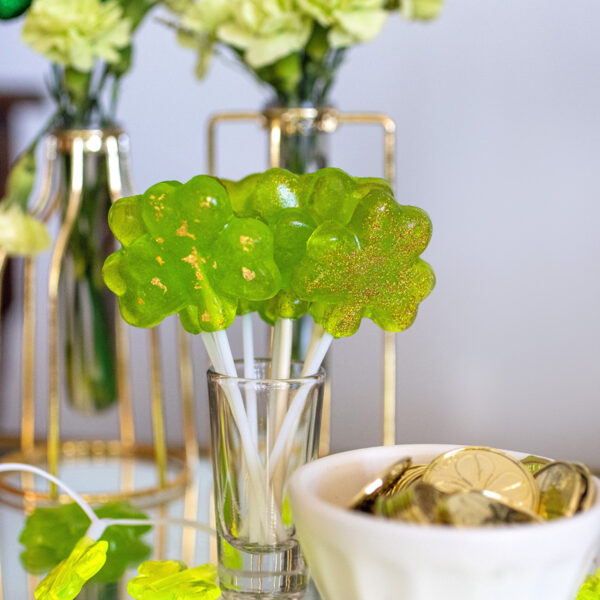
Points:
(184, 251)
(369, 268)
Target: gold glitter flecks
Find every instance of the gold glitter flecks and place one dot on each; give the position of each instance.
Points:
(158, 213)
(247, 274)
(183, 231)
(159, 284)
(160, 261)
(214, 265)
(140, 301)
(160, 241)
(247, 242)
(205, 317)
(193, 258)
(152, 197)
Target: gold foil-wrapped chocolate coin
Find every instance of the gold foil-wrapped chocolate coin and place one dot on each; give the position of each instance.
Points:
(481, 508)
(561, 490)
(417, 504)
(381, 485)
(589, 495)
(478, 468)
(408, 478)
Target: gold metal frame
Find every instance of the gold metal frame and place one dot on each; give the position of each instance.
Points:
(113, 144)
(286, 121)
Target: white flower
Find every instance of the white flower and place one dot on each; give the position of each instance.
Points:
(350, 21)
(21, 233)
(75, 33)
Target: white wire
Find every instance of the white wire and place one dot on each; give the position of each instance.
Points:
(87, 509)
(98, 525)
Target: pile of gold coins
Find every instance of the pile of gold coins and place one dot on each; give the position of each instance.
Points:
(476, 486)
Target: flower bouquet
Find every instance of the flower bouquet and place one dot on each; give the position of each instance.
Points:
(293, 46)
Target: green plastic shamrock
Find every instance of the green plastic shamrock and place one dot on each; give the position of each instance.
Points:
(369, 268)
(184, 251)
(590, 590)
(51, 533)
(65, 581)
(172, 580)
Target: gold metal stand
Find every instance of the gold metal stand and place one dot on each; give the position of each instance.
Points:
(288, 121)
(172, 466)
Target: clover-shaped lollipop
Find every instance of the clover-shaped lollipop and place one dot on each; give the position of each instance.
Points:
(184, 251)
(369, 268)
(51, 533)
(172, 580)
(69, 576)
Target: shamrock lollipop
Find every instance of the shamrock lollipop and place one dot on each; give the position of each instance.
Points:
(369, 268)
(185, 252)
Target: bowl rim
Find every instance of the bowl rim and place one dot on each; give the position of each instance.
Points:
(304, 480)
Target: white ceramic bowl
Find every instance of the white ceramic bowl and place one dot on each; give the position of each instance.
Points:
(354, 556)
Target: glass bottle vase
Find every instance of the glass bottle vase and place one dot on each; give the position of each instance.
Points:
(90, 170)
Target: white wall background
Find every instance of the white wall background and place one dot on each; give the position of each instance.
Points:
(498, 113)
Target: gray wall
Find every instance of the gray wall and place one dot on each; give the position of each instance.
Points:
(498, 113)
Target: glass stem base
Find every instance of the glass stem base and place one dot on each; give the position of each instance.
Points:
(262, 573)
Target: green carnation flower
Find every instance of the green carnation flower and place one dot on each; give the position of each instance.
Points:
(75, 33)
(349, 21)
(265, 30)
(200, 22)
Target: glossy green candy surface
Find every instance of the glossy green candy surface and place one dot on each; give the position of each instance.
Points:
(368, 268)
(184, 251)
(51, 533)
(282, 244)
(172, 580)
(65, 581)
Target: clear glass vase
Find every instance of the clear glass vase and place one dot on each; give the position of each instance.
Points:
(261, 430)
(90, 170)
